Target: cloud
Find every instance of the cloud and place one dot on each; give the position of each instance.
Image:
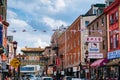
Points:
(28, 38)
(53, 23)
(11, 14)
(57, 6)
(27, 14)
(33, 6)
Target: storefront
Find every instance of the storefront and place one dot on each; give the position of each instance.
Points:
(76, 71)
(113, 67)
(97, 69)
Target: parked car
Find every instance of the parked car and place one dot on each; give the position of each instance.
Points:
(31, 77)
(77, 79)
(46, 78)
(68, 77)
(38, 77)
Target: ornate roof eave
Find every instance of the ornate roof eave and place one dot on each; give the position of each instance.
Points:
(32, 50)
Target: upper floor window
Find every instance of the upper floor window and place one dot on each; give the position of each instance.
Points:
(95, 11)
(102, 21)
(111, 42)
(86, 23)
(112, 19)
(116, 16)
(89, 31)
(103, 44)
(116, 40)
(97, 25)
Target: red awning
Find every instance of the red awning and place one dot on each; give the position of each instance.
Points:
(98, 63)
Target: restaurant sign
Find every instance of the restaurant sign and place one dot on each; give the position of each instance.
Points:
(95, 55)
(113, 54)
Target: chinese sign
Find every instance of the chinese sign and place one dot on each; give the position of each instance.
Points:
(94, 39)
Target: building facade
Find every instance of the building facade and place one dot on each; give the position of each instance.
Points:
(3, 37)
(97, 45)
(70, 45)
(113, 22)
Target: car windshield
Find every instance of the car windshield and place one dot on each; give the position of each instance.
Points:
(69, 78)
(30, 76)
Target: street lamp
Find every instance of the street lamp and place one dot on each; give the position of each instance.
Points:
(14, 47)
(87, 64)
(19, 57)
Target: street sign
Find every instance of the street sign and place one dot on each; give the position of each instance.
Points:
(15, 62)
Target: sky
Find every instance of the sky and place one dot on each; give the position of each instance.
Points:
(32, 21)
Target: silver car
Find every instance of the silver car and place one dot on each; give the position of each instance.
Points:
(46, 78)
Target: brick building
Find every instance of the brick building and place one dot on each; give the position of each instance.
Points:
(97, 56)
(113, 22)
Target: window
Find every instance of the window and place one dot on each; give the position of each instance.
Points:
(95, 11)
(116, 16)
(117, 40)
(102, 21)
(93, 29)
(86, 23)
(112, 19)
(111, 43)
(114, 41)
(103, 44)
(97, 25)
(89, 31)
(110, 2)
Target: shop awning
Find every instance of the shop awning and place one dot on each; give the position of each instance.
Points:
(98, 63)
(113, 62)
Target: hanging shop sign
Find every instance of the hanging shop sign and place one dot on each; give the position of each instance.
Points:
(94, 39)
(113, 54)
(95, 55)
(93, 47)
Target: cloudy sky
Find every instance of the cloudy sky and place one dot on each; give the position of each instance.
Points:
(32, 21)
